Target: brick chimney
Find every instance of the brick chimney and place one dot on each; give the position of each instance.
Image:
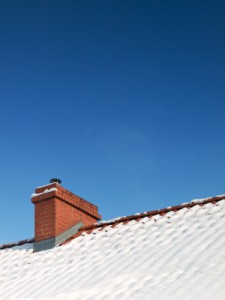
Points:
(59, 214)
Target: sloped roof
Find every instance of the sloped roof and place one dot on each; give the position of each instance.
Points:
(175, 253)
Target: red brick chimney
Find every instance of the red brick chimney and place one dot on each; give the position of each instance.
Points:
(59, 214)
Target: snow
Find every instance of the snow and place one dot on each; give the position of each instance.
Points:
(179, 255)
(27, 241)
(202, 200)
(109, 221)
(42, 186)
(44, 192)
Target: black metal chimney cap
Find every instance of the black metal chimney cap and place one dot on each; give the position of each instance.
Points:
(55, 180)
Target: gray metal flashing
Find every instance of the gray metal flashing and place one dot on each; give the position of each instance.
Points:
(55, 241)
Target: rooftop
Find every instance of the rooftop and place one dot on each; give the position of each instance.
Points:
(172, 253)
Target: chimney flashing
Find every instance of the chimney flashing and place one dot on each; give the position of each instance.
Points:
(58, 240)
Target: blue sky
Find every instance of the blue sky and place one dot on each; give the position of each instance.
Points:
(122, 100)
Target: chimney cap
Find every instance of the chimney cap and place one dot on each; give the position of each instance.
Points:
(56, 180)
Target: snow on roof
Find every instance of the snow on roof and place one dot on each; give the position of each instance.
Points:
(177, 253)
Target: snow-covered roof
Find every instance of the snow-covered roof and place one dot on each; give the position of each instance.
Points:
(175, 253)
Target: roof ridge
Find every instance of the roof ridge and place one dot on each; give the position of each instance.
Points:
(20, 243)
(161, 211)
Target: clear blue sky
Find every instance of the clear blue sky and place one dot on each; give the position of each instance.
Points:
(122, 100)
